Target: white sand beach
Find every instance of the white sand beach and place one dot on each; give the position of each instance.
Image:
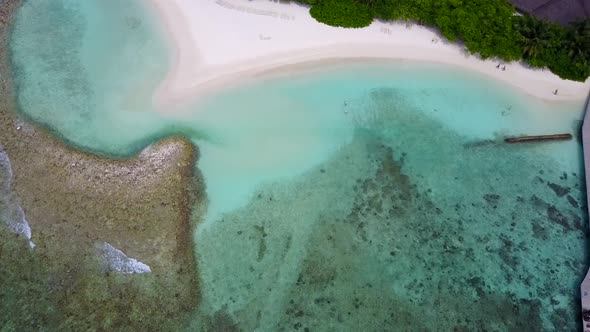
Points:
(217, 43)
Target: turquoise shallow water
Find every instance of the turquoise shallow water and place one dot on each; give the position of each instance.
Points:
(399, 210)
(74, 53)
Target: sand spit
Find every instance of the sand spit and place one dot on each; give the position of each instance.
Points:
(75, 200)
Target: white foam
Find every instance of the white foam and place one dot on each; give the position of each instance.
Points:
(5, 172)
(116, 261)
(18, 224)
(13, 214)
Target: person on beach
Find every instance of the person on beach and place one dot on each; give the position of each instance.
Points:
(503, 68)
(555, 92)
(498, 66)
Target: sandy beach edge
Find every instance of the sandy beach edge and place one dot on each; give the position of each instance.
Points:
(192, 76)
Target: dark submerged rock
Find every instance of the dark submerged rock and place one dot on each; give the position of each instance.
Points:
(559, 190)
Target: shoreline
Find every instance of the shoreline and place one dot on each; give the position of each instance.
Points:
(236, 42)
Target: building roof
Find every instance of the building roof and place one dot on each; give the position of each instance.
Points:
(558, 11)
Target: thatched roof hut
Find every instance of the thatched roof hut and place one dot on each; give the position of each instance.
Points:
(558, 11)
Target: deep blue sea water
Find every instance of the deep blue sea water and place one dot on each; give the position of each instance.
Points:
(375, 196)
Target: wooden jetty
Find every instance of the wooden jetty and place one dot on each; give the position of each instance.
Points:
(540, 138)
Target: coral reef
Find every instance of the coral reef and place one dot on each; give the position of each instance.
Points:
(74, 201)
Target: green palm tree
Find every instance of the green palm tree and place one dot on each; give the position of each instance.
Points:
(534, 36)
(579, 40)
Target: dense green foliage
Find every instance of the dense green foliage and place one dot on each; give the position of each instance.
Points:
(344, 13)
(488, 28)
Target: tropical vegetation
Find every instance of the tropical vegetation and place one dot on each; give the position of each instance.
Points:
(487, 28)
